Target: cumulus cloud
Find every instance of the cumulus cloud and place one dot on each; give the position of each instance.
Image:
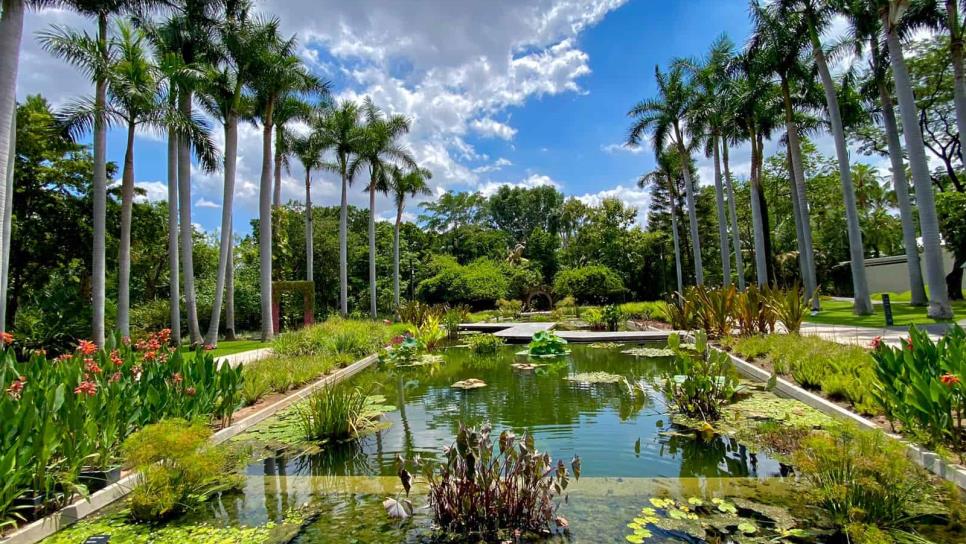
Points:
(496, 165)
(534, 180)
(611, 149)
(495, 129)
(632, 196)
(205, 203)
(153, 191)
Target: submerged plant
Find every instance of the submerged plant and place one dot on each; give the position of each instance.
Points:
(478, 490)
(547, 344)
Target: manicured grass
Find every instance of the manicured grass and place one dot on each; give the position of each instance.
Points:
(229, 347)
(836, 312)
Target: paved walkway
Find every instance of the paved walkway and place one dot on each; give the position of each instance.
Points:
(244, 357)
(862, 336)
(521, 332)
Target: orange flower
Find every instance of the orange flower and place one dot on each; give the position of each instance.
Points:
(86, 387)
(876, 342)
(949, 380)
(116, 358)
(91, 366)
(16, 387)
(7, 338)
(87, 347)
(909, 345)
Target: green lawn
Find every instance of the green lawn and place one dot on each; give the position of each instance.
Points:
(228, 347)
(840, 313)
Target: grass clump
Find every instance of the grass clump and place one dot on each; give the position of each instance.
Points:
(840, 372)
(282, 374)
(484, 344)
(179, 468)
(339, 412)
(337, 336)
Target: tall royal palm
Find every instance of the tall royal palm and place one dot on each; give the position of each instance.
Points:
(665, 178)
(309, 151)
(816, 15)
(289, 109)
(280, 73)
(891, 13)
(380, 149)
(663, 117)
(341, 130)
(404, 184)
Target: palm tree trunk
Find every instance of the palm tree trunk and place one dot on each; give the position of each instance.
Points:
(863, 303)
(732, 207)
(372, 248)
(959, 78)
(309, 233)
(277, 176)
(265, 229)
(395, 257)
(692, 212)
(939, 306)
(901, 185)
(99, 188)
(7, 226)
(224, 250)
(761, 263)
(677, 244)
(722, 220)
(803, 219)
(174, 283)
(763, 207)
(230, 292)
(796, 211)
(124, 244)
(187, 229)
(343, 245)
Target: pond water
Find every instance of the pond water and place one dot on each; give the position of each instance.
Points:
(629, 450)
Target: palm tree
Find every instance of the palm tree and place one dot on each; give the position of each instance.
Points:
(891, 13)
(404, 184)
(663, 117)
(341, 130)
(777, 46)
(280, 73)
(730, 132)
(378, 151)
(955, 25)
(816, 16)
(290, 109)
(309, 151)
(666, 173)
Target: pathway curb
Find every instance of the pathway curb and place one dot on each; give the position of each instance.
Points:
(67, 516)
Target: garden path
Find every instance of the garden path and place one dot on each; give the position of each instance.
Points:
(863, 336)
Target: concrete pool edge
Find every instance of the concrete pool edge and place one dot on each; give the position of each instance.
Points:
(42, 528)
(923, 457)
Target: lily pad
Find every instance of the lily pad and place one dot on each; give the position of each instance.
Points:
(401, 509)
(427, 359)
(604, 345)
(526, 367)
(649, 352)
(595, 377)
(470, 383)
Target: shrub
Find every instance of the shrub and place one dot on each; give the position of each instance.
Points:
(860, 478)
(612, 316)
(649, 310)
(452, 319)
(430, 334)
(337, 412)
(416, 312)
(480, 491)
(699, 385)
(509, 309)
(567, 306)
(179, 469)
(921, 385)
(589, 284)
(479, 284)
(789, 306)
(752, 313)
(335, 336)
(547, 344)
(484, 344)
(594, 318)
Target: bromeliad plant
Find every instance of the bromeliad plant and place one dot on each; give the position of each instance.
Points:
(699, 384)
(921, 386)
(480, 491)
(547, 344)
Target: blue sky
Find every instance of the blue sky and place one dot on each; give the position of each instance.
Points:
(508, 92)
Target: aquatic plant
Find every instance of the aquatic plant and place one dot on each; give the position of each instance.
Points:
(484, 344)
(649, 352)
(509, 309)
(179, 468)
(452, 319)
(612, 316)
(339, 412)
(921, 386)
(547, 344)
(469, 383)
(402, 352)
(415, 312)
(430, 334)
(595, 377)
(699, 385)
(485, 491)
(861, 477)
(336, 336)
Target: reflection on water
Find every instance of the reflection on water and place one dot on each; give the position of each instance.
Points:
(630, 451)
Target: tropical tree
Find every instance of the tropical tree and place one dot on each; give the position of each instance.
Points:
(309, 150)
(816, 16)
(665, 174)
(663, 117)
(955, 25)
(404, 184)
(379, 150)
(891, 14)
(280, 73)
(290, 108)
(340, 129)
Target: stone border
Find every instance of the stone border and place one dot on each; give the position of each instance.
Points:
(921, 456)
(42, 528)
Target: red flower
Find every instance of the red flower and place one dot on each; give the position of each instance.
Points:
(116, 358)
(387, 322)
(909, 345)
(397, 340)
(177, 378)
(164, 335)
(116, 377)
(209, 347)
(62, 358)
(91, 366)
(949, 380)
(16, 387)
(876, 342)
(150, 355)
(87, 347)
(40, 352)
(7, 338)
(190, 391)
(136, 371)
(86, 387)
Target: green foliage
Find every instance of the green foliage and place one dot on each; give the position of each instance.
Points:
(415, 312)
(484, 344)
(482, 490)
(547, 344)
(403, 353)
(714, 308)
(430, 334)
(920, 386)
(509, 309)
(789, 306)
(752, 312)
(647, 311)
(612, 316)
(589, 284)
(594, 318)
(282, 374)
(335, 337)
(179, 469)
(452, 319)
(479, 284)
(699, 385)
(861, 477)
(338, 412)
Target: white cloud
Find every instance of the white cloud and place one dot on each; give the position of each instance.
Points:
(632, 196)
(153, 191)
(204, 203)
(611, 149)
(534, 180)
(492, 167)
(489, 128)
